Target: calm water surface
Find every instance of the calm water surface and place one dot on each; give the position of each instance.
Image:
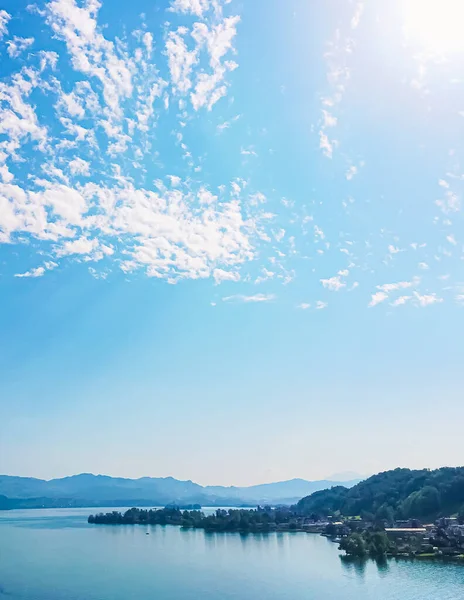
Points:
(56, 555)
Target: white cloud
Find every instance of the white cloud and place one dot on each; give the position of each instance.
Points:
(248, 152)
(329, 119)
(377, 298)
(18, 120)
(427, 299)
(451, 239)
(320, 305)
(423, 266)
(216, 40)
(304, 306)
(401, 300)
(49, 265)
(255, 298)
(325, 145)
(166, 233)
(221, 275)
(236, 189)
(266, 275)
(180, 61)
(71, 104)
(399, 285)
(207, 90)
(357, 15)
(148, 42)
(451, 202)
(4, 18)
(38, 272)
(79, 166)
(227, 124)
(334, 284)
(97, 165)
(175, 180)
(18, 45)
(194, 7)
(318, 232)
(352, 171)
(257, 198)
(387, 288)
(91, 53)
(279, 235)
(81, 246)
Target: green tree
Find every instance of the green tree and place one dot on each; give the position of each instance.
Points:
(378, 544)
(354, 545)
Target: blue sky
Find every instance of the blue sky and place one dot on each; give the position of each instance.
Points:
(231, 237)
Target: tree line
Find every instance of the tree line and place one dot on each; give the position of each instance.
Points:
(259, 519)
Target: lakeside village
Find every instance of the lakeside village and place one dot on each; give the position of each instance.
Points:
(357, 537)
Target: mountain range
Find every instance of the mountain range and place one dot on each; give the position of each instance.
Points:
(87, 489)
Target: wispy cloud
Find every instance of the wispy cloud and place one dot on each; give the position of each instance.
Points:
(377, 298)
(38, 272)
(18, 45)
(221, 275)
(401, 300)
(254, 298)
(334, 284)
(4, 18)
(356, 18)
(325, 145)
(427, 299)
(352, 171)
(248, 152)
(399, 285)
(87, 203)
(110, 124)
(194, 7)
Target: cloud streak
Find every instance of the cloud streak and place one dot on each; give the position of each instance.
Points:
(253, 299)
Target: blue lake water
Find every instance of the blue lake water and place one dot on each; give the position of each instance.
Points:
(56, 555)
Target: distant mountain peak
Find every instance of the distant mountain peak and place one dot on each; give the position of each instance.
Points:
(346, 476)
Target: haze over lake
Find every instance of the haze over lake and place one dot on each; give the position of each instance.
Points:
(57, 555)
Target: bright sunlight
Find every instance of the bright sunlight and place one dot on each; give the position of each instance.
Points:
(435, 24)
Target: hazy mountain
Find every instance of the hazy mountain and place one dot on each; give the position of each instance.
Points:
(281, 491)
(347, 476)
(95, 490)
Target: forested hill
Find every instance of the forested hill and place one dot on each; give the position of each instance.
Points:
(397, 494)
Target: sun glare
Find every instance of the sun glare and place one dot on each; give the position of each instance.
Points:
(437, 25)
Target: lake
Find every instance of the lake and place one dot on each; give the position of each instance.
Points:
(56, 555)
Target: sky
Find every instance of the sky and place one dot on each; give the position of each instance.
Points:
(231, 237)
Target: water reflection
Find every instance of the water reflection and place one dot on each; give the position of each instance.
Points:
(213, 539)
(354, 565)
(383, 566)
(357, 565)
